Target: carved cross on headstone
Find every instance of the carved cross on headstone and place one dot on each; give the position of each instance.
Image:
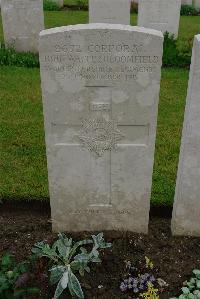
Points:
(102, 136)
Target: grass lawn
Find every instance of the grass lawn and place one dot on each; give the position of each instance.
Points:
(23, 170)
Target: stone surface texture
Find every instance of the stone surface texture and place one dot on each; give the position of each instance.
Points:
(163, 15)
(100, 86)
(186, 212)
(22, 22)
(112, 11)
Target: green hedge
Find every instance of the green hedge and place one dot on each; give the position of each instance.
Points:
(188, 10)
(11, 57)
(176, 53)
(49, 5)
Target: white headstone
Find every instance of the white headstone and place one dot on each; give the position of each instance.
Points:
(100, 86)
(22, 22)
(163, 15)
(186, 2)
(109, 11)
(197, 4)
(186, 212)
(60, 3)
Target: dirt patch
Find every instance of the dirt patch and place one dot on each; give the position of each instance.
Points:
(21, 225)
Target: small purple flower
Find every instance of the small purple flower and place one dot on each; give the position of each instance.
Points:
(130, 280)
(134, 285)
(135, 290)
(123, 287)
(146, 275)
(152, 279)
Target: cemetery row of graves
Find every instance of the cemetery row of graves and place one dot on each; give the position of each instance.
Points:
(103, 105)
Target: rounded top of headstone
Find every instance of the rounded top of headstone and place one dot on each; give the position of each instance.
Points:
(100, 26)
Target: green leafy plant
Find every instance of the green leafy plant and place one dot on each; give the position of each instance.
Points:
(49, 5)
(191, 289)
(176, 53)
(68, 257)
(151, 293)
(188, 10)
(22, 59)
(14, 278)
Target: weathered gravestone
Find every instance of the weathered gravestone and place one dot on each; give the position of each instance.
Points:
(22, 22)
(186, 213)
(163, 15)
(109, 11)
(100, 86)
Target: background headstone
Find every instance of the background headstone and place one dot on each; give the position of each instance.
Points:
(163, 15)
(22, 22)
(60, 3)
(109, 11)
(197, 4)
(186, 212)
(100, 86)
(186, 2)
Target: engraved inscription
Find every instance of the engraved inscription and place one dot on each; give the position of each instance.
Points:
(103, 211)
(100, 64)
(99, 135)
(99, 106)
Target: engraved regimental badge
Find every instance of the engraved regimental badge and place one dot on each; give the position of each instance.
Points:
(99, 135)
